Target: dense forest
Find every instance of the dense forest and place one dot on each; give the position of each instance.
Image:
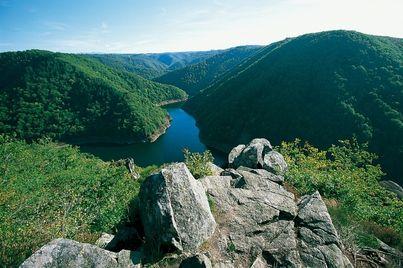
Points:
(319, 87)
(153, 64)
(195, 77)
(73, 98)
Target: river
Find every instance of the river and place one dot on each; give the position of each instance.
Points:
(183, 133)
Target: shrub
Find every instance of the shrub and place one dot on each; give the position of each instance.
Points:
(50, 190)
(198, 163)
(212, 204)
(346, 173)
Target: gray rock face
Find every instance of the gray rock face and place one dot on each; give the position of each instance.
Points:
(319, 243)
(104, 240)
(216, 170)
(69, 253)
(250, 155)
(393, 187)
(260, 224)
(274, 162)
(174, 210)
(235, 152)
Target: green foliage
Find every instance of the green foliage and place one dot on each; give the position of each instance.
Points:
(346, 174)
(367, 240)
(195, 77)
(319, 87)
(198, 163)
(231, 247)
(212, 204)
(49, 190)
(74, 98)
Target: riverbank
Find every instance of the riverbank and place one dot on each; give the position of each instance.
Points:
(167, 102)
(181, 133)
(163, 128)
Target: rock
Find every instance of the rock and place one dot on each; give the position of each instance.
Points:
(319, 242)
(130, 259)
(175, 212)
(231, 172)
(393, 187)
(69, 253)
(260, 262)
(257, 216)
(104, 240)
(260, 224)
(252, 155)
(196, 261)
(275, 163)
(216, 170)
(262, 173)
(235, 152)
(126, 237)
(131, 167)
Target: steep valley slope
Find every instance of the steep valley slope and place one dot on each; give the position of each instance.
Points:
(72, 98)
(320, 87)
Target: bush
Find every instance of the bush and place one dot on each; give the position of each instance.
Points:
(50, 190)
(346, 173)
(198, 163)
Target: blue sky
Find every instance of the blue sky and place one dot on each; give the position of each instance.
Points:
(136, 26)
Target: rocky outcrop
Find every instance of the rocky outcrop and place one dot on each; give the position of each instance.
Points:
(250, 155)
(255, 221)
(174, 210)
(69, 253)
(258, 153)
(260, 223)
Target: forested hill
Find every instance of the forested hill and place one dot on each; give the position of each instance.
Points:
(73, 98)
(319, 87)
(197, 76)
(153, 64)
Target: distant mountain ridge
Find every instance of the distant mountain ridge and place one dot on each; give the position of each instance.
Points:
(195, 77)
(319, 87)
(74, 98)
(152, 65)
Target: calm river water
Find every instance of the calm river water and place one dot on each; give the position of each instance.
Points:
(183, 133)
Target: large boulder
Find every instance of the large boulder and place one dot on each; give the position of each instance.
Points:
(274, 162)
(250, 155)
(69, 253)
(175, 211)
(319, 242)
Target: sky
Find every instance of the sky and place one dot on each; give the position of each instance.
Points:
(136, 26)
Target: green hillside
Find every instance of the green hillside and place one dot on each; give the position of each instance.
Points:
(195, 77)
(319, 87)
(77, 99)
(49, 191)
(154, 64)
